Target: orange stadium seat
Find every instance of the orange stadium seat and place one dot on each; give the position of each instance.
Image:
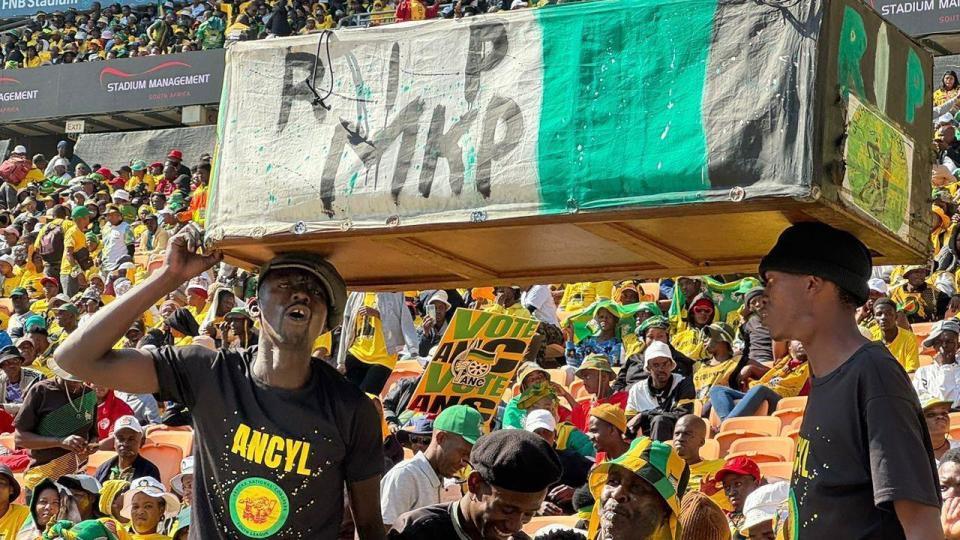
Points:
(790, 432)
(955, 433)
(954, 419)
(921, 329)
(710, 450)
(403, 369)
(181, 439)
(762, 449)
(22, 499)
(714, 420)
(166, 457)
(789, 409)
(780, 469)
(925, 360)
(746, 426)
(98, 458)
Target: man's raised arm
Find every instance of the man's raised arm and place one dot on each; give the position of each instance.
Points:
(88, 353)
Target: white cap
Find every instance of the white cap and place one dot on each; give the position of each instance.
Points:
(127, 422)
(440, 296)
(657, 349)
(61, 161)
(186, 469)
(763, 504)
(165, 212)
(539, 419)
(153, 488)
(19, 149)
(9, 260)
(87, 482)
(878, 285)
(945, 118)
(121, 194)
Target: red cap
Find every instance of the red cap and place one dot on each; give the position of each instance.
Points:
(175, 154)
(156, 164)
(105, 172)
(47, 279)
(739, 465)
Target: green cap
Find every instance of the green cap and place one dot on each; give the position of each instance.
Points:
(19, 291)
(653, 322)
(69, 307)
(138, 165)
(237, 313)
(462, 420)
(80, 212)
(92, 237)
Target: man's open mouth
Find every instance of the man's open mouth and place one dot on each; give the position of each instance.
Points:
(299, 313)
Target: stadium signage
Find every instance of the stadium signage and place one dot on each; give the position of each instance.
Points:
(153, 82)
(920, 17)
(10, 9)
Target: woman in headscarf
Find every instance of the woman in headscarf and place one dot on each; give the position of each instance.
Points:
(111, 502)
(948, 89)
(180, 328)
(223, 301)
(605, 339)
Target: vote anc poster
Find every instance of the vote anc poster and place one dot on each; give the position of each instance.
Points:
(474, 363)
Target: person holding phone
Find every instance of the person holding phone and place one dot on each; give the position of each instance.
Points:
(435, 323)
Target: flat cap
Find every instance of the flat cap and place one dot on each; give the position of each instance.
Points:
(516, 460)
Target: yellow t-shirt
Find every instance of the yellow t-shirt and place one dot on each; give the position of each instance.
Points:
(11, 522)
(30, 281)
(632, 345)
(324, 341)
(40, 307)
(702, 470)
(903, 347)
(73, 238)
(708, 376)
(35, 175)
(135, 536)
(690, 342)
(12, 282)
(368, 344)
(133, 182)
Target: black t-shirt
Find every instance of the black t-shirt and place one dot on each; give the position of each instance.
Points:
(270, 462)
(863, 445)
(434, 522)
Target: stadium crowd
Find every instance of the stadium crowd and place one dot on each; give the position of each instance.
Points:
(675, 409)
(122, 31)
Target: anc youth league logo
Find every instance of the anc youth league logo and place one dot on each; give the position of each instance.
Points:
(258, 507)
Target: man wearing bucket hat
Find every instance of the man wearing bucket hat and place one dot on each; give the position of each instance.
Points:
(865, 462)
(418, 481)
(936, 413)
(12, 515)
(512, 470)
(656, 403)
(596, 374)
(942, 377)
(638, 494)
(654, 328)
(15, 379)
(916, 297)
(146, 504)
(607, 429)
(240, 398)
(721, 367)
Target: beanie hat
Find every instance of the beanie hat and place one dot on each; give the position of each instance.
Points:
(817, 249)
(611, 414)
(702, 519)
(516, 460)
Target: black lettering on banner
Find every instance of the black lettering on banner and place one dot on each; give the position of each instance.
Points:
(500, 110)
(444, 145)
(298, 90)
(487, 47)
